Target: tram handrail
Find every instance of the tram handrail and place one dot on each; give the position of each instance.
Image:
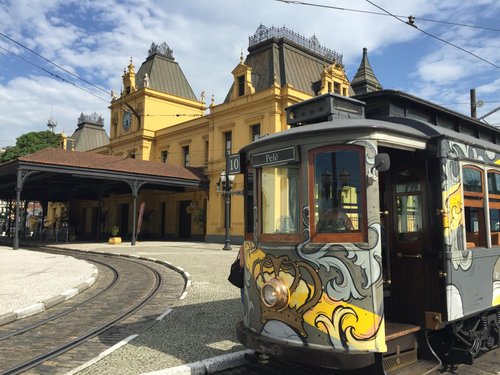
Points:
(417, 256)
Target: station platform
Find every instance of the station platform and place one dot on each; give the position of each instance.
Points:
(31, 281)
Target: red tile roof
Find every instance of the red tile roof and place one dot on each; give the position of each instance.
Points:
(87, 160)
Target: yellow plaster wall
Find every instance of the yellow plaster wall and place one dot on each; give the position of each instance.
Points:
(170, 122)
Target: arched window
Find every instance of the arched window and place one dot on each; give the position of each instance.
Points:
(494, 205)
(337, 194)
(474, 199)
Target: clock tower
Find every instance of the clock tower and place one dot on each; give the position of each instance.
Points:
(154, 98)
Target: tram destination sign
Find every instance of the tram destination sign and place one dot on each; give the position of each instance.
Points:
(273, 157)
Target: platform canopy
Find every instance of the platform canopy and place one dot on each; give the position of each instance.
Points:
(59, 175)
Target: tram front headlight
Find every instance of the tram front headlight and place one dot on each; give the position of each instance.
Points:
(275, 294)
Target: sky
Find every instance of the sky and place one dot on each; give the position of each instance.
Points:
(95, 40)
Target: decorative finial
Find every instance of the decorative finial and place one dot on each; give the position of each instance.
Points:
(131, 66)
(241, 57)
(213, 101)
(113, 95)
(202, 96)
(146, 80)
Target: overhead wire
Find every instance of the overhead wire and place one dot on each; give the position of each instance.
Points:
(411, 22)
(53, 63)
(53, 74)
(433, 36)
(294, 2)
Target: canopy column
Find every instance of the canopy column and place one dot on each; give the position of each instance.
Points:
(22, 175)
(135, 185)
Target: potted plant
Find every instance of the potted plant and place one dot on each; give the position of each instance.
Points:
(114, 233)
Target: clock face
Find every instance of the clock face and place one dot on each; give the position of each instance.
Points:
(126, 120)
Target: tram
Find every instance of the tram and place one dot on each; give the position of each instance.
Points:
(373, 229)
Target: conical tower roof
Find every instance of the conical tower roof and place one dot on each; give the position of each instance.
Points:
(164, 73)
(365, 81)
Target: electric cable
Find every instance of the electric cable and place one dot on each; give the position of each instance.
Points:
(412, 24)
(53, 63)
(53, 74)
(294, 2)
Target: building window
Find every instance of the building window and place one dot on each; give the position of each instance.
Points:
(206, 152)
(164, 156)
(241, 85)
(185, 155)
(255, 132)
(330, 87)
(228, 140)
(336, 88)
(475, 232)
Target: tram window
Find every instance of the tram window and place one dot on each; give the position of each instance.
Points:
(475, 231)
(336, 189)
(280, 200)
(409, 207)
(472, 180)
(249, 201)
(494, 206)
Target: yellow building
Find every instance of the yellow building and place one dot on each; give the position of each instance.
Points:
(158, 118)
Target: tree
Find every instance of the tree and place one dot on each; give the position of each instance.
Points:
(31, 142)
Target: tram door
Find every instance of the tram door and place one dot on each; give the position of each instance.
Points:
(412, 265)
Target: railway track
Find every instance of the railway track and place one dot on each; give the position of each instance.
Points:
(125, 299)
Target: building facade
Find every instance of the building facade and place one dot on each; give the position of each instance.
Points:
(158, 118)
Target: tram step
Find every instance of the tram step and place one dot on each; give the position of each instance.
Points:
(408, 351)
(420, 367)
(401, 338)
(403, 355)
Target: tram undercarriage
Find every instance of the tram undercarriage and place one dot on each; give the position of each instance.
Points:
(463, 340)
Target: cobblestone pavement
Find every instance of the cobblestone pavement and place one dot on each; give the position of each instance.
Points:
(202, 326)
(487, 364)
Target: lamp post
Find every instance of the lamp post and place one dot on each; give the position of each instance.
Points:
(227, 184)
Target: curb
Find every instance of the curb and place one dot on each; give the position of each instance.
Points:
(207, 366)
(203, 367)
(50, 302)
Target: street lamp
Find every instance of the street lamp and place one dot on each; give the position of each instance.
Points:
(226, 180)
(345, 177)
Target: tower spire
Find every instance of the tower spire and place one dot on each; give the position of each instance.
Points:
(365, 80)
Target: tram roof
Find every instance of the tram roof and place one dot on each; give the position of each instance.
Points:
(387, 111)
(402, 126)
(343, 126)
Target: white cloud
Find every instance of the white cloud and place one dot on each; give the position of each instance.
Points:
(95, 39)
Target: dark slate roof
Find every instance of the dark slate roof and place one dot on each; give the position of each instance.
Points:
(365, 81)
(291, 64)
(89, 136)
(91, 161)
(165, 75)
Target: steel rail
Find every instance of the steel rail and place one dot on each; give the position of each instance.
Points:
(35, 361)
